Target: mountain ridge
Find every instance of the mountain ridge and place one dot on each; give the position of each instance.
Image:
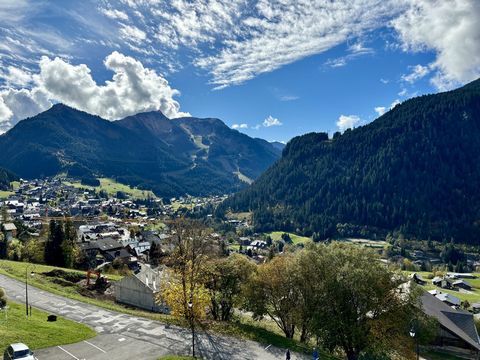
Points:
(147, 150)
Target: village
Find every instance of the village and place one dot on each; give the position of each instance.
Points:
(123, 236)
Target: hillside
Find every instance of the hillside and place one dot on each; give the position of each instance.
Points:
(416, 170)
(147, 150)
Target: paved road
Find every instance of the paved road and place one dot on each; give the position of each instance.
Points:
(124, 336)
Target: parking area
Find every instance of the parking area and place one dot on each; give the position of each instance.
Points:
(108, 346)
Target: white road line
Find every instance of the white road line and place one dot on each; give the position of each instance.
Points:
(68, 353)
(95, 346)
(268, 347)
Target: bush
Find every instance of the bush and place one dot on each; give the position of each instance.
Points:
(3, 298)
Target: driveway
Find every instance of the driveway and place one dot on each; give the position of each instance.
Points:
(122, 336)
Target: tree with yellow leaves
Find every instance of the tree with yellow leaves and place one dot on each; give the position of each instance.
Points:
(184, 293)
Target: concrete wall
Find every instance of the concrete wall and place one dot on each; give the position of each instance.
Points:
(130, 290)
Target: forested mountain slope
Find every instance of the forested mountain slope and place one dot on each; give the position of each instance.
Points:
(416, 169)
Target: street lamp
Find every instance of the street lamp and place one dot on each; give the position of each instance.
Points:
(26, 290)
(414, 335)
(192, 325)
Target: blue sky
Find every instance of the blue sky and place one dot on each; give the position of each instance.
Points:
(270, 68)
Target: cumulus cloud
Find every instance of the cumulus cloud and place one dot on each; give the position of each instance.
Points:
(450, 29)
(418, 72)
(132, 89)
(271, 121)
(16, 77)
(345, 122)
(380, 110)
(239, 126)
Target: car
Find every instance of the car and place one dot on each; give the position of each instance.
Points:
(18, 351)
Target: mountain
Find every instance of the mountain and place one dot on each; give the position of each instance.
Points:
(415, 170)
(278, 145)
(171, 157)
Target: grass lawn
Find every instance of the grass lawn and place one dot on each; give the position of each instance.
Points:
(36, 332)
(264, 332)
(296, 239)
(111, 187)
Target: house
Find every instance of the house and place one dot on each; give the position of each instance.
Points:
(448, 299)
(444, 283)
(457, 327)
(476, 308)
(418, 279)
(10, 231)
(141, 289)
(462, 284)
(453, 275)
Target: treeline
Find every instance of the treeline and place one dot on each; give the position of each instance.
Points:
(415, 170)
(58, 249)
(340, 298)
(6, 177)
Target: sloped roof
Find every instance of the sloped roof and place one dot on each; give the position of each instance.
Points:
(458, 322)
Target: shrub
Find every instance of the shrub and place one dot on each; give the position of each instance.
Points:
(3, 298)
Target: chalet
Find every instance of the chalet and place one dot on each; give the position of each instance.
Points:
(141, 290)
(418, 279)
(462, 284)
(457, 327)
(10, 231)
(444, 283)
(448, 299)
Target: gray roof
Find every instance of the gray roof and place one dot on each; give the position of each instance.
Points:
(458, 322)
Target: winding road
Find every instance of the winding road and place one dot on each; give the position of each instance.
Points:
(121, 336)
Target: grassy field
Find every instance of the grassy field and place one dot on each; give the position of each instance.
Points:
(472, 296)
(4, 194)
(112, 187)
(296, 239)
(264, 332)
(36, 332)
(366, 242)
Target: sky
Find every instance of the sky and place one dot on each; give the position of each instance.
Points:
(273, 69)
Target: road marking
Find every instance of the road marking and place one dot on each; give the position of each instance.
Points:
(268, 347)
(95, 346)
(68, 353)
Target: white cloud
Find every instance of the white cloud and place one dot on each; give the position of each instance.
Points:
(133, 89)
(395, 103)
(271, 121)
(289, 98)
(345, 122)
(418, 72)
(132, 34)
(450, 29)
(115, 14)
(239, 126)
(380, 110)
(280, 32)
(16, 77)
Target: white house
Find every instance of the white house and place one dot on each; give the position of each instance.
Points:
(141, 289)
